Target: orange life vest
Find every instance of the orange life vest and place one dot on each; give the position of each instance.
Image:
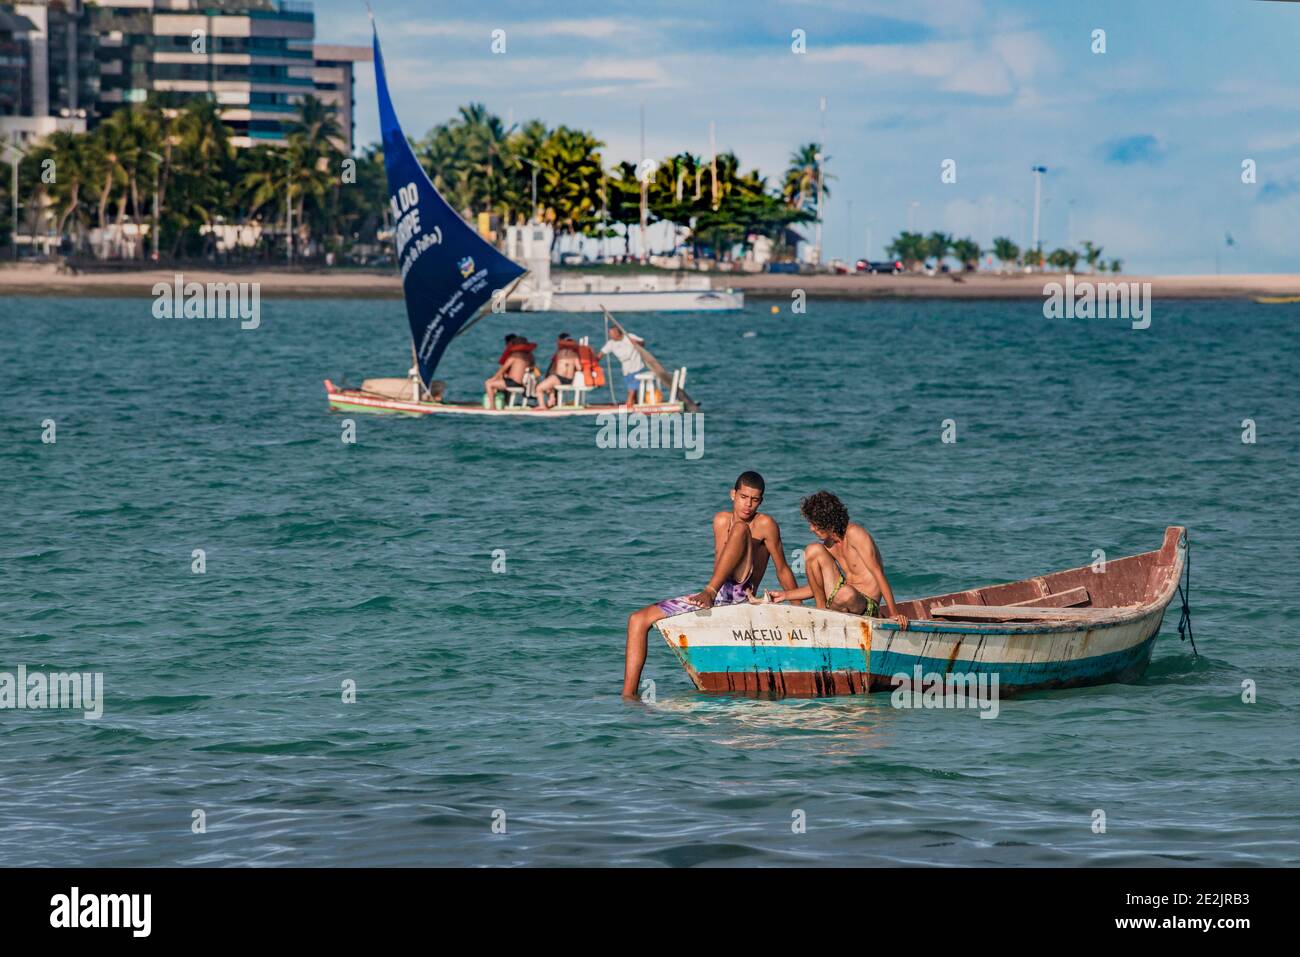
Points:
(517, 347)
(592, 370)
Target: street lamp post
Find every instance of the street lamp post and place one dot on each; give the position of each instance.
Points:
(1038, 172)
(821, 159)
(533, 215)
(848, 231)
(15, 154)
(288, 208)
(153, 230)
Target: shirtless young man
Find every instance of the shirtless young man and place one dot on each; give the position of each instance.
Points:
(513, 366)
(743, 540)
(564, 366)
(845, 572)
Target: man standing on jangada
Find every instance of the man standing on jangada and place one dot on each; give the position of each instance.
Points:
(743, 540)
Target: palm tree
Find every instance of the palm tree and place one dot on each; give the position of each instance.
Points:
(314, 156)
(623, 201)
(524, 155)
(1006, 251)
(1091, 255)
(799, 186)
(572, 170)
(201, 166)
(75, 164)
(112, 138)
(937, 247)
(1063, 259)
(262, 179)
(486, 138)
(911, 248)
(968, 253)
(316, 128)
(363, 205)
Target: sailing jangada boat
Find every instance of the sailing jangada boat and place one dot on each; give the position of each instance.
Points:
(448, 274)
(1061, 630)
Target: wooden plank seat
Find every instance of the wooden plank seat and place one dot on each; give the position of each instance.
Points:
(1062, 599)
(1019, 613)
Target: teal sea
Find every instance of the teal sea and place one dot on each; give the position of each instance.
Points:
(487, 695)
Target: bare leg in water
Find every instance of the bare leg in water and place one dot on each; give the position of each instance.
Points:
(735, 557)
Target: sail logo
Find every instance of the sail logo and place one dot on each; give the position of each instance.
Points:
(466, 267)
(661, 430)
(179, 299)
(1099, 300)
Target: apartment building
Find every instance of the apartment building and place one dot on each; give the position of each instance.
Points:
(63, 61)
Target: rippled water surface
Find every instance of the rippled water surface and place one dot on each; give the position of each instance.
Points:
(480, 692)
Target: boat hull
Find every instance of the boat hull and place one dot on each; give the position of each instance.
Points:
(809, 652)
(355, 400)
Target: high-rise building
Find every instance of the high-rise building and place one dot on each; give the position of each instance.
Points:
(48, 80)
(334, 83)
(15, 56)
(254, 57)
(65, 64)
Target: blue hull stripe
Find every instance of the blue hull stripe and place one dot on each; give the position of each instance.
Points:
(1126, 664)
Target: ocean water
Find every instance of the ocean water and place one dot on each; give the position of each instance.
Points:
(487, 695)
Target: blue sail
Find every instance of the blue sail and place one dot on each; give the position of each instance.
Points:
(448, 270)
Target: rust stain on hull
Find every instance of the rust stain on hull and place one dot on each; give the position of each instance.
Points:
(801, 684)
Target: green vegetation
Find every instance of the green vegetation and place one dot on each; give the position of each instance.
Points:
(71, 184)
(83, 193)
(916, 251)
(480, 166)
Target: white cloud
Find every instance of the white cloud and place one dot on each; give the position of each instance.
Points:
(647, 72)
(591, 29)
(995, 69)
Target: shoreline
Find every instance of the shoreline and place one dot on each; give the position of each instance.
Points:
(45, 280)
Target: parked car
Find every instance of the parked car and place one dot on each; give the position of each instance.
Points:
(891, 266)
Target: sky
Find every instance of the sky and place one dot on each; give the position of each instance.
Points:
(1144, 143)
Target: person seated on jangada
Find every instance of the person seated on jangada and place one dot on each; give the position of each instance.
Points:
(845, 571)
(564, 366)
(512, 367)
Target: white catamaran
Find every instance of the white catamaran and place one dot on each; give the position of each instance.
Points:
(449, 273)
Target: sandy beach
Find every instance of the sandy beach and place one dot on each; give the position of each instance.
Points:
(48, 280)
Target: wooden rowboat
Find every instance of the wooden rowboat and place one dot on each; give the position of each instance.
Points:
(1067, 629)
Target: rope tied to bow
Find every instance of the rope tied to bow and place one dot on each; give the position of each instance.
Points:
(1185, 593)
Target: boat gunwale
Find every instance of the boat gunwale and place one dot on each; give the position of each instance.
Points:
(1123, 615)
(412, 407)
